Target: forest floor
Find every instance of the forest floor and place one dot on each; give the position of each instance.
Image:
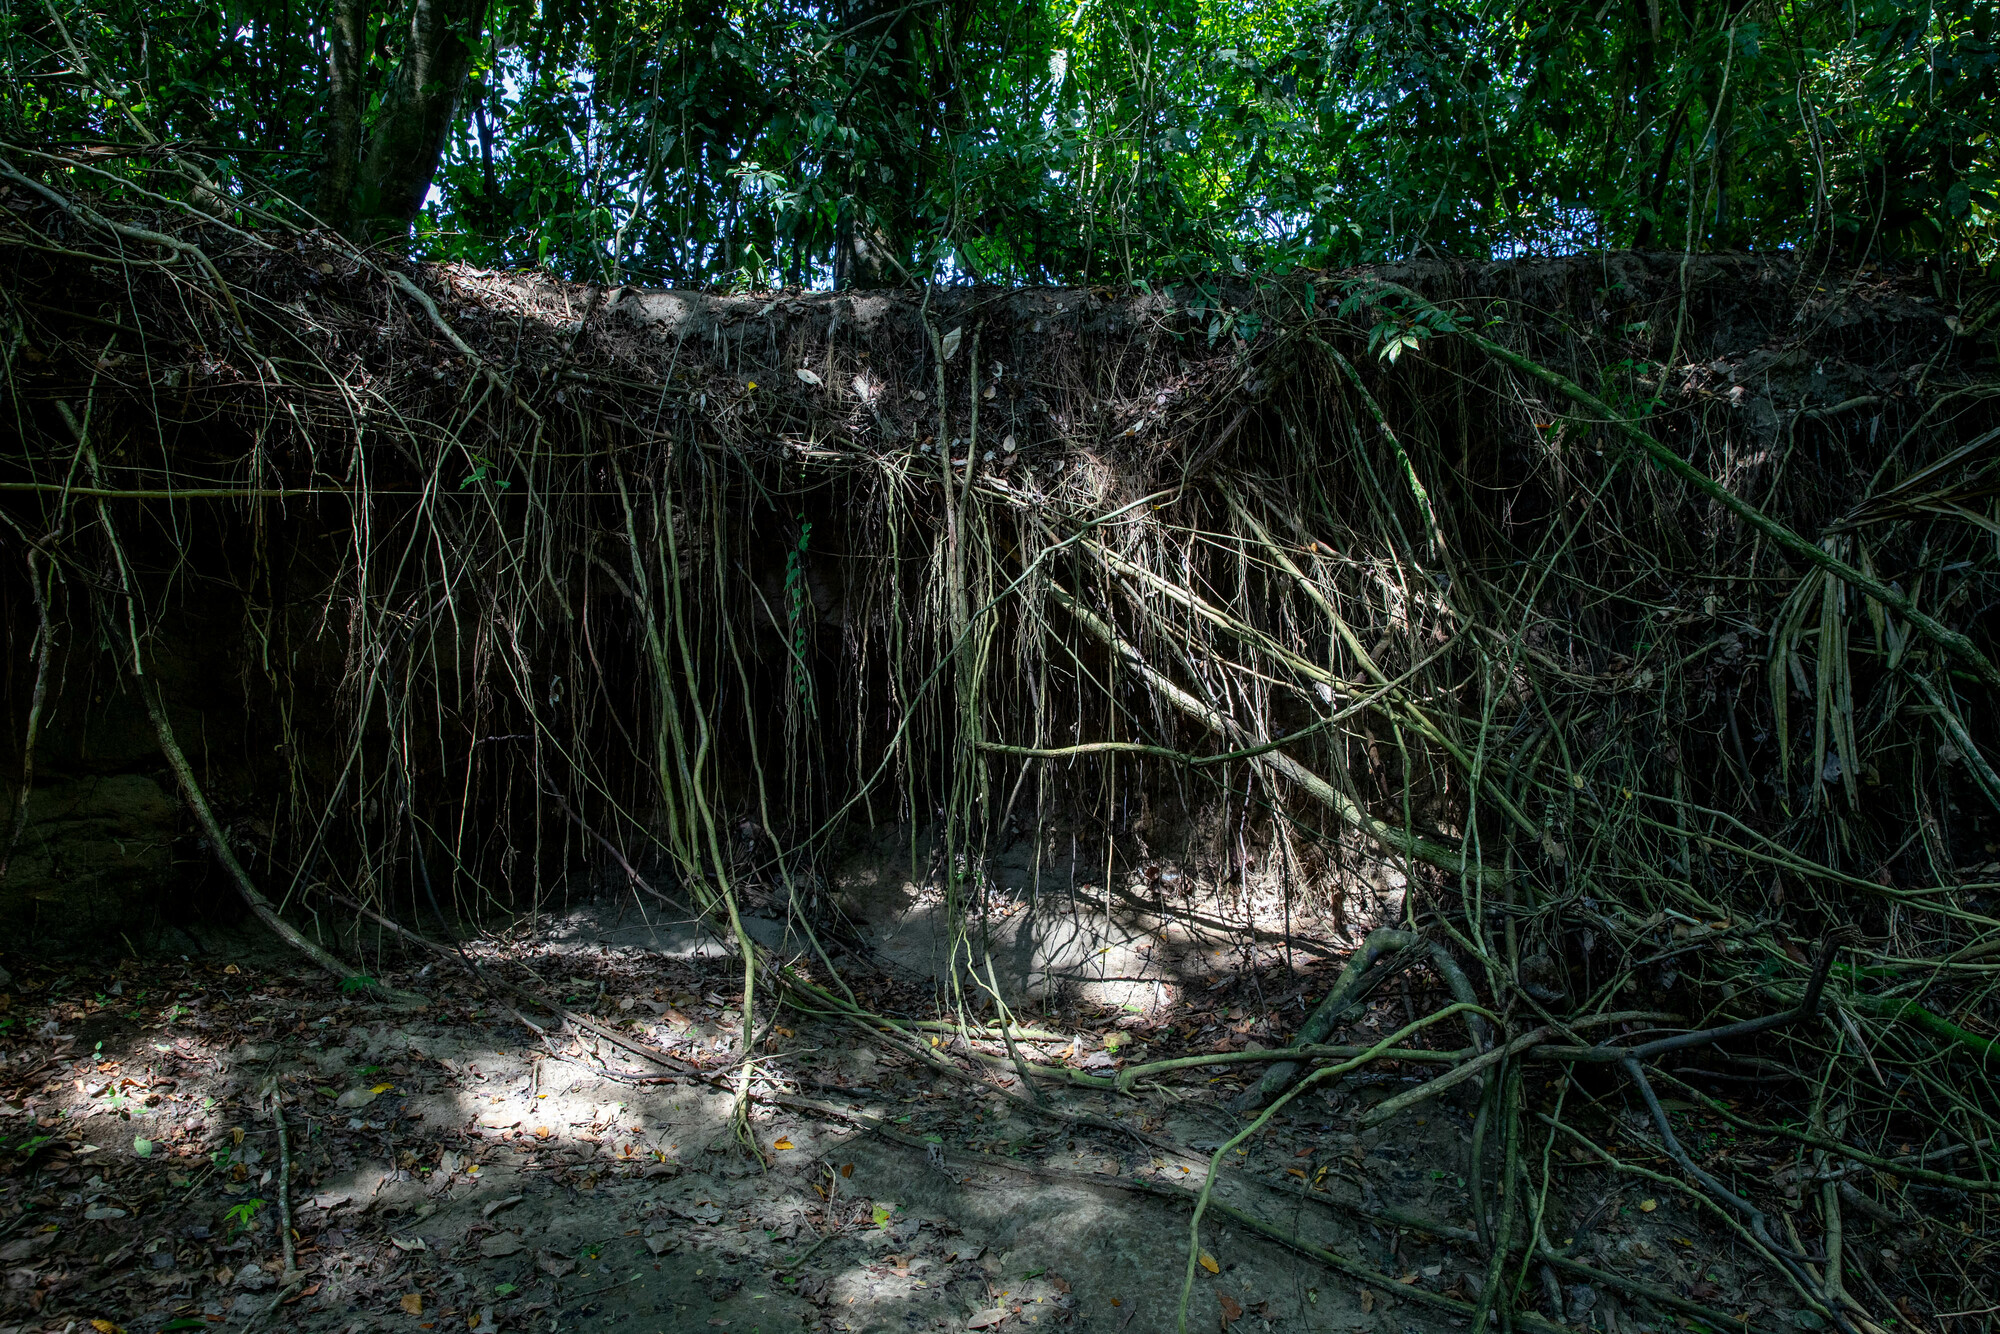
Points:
(459, 1167)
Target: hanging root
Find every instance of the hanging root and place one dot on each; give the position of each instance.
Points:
(1635, 678)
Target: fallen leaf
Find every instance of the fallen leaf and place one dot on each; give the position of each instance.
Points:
(847, 1169)
(26, 1248)
(407, 1243)
(555, 1266)
(881, 1216)
(951, 341)
(808, 376)
(988, 1318)
(354, 1098)
(413, 1302)
(1367, 1300)
(1647, 1206)
(381, 1088)
(500, 1244)
(498, 1205)
(103, 1212)
(660, 1243)
(106, 1327)
(1207, 1262)
(232, 970)
(1232, 1310)
(782, 1145)
(1407, 1279)
(541, 1132)
(142, 1146)
(1060, 1283)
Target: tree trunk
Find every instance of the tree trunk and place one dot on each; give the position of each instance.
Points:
(870, 244)
(346, 96)
(416, 115)
(863, 254)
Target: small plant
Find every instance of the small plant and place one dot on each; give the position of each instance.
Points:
(1628, 390)
(357, 982)
(484, 470)
(243, 1217)
(1390, 338)
(798, 603)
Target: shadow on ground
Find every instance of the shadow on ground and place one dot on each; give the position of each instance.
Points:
(458, 1168)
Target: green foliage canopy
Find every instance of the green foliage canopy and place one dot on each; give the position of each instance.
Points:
(796, 141)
